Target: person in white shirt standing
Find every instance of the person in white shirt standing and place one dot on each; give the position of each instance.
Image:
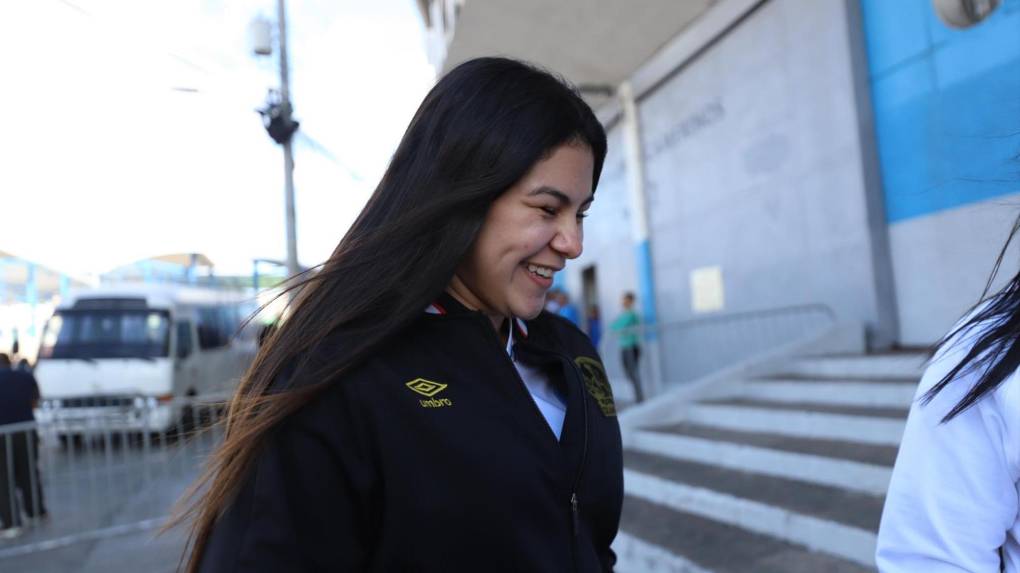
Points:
(954, 499)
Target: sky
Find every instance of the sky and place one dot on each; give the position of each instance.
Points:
(130, 131)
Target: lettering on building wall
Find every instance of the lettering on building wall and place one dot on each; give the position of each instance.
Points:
(686, 128)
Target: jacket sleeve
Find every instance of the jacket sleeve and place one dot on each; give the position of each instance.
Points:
(307, 505)
(953, 494)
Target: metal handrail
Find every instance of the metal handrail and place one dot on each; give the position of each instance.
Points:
(683, 350)
(733, 316)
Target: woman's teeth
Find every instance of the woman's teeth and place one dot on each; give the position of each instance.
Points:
(545, 272)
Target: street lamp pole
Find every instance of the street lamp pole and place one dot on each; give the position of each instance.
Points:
(288, 156)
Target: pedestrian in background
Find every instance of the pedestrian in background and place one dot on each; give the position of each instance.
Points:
(417, 410)
(552, 301)
(594, 325)
(953, 502)
(628, 337)
(19, 450)
(568, 310)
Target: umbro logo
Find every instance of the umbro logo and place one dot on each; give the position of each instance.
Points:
(429, 389)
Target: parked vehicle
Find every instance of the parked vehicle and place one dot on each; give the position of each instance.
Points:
(136, 356)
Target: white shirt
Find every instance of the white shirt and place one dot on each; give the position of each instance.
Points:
(552, 406)
(954, 498)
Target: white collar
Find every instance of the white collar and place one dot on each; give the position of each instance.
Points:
(510, 334)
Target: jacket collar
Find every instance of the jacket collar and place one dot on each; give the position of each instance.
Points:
(446, 305)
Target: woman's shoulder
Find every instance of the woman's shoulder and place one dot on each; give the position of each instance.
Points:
(1003, 402)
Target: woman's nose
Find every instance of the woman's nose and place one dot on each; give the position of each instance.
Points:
(568, 241)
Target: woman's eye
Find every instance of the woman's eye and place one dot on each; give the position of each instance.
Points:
(549, 210)
(581, 216)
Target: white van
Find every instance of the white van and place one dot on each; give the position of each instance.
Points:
(129, 358)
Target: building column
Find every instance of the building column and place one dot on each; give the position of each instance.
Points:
(635, 164)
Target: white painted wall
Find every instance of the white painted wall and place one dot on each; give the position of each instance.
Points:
(942, 262)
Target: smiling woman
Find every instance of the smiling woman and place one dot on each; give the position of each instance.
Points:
(528, 234)
(418, 410)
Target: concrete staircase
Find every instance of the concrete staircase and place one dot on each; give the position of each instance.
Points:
(785, 472)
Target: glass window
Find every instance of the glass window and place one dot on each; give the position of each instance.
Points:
(183, 339)
(210, 328)
(106, 334)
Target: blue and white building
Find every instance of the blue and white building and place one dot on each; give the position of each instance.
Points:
(852, 155)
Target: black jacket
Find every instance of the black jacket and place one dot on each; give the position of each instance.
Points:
(18, 394)
(432, 456)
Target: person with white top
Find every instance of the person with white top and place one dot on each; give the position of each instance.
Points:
(954, 500)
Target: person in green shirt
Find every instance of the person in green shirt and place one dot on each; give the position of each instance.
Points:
(627, 328)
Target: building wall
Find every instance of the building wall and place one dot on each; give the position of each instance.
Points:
(753, 164)
(943, 262)
(947, 116)
(608, 246)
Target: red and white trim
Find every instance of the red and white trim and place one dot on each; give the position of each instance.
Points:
(435, 308)
(522, 326)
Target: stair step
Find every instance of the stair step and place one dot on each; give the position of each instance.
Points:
(635, 555)
(871, 454)
(905, 365)
(708, 545)
(803, 406)
(859, 510)
(809, 468)
(846, 393)
(794, 377)
(818, 534)
(792, 421)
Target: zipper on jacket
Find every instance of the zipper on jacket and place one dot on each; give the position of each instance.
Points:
(575, 512)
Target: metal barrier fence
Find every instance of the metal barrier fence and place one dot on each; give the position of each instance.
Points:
(79, 473)
(677, 352)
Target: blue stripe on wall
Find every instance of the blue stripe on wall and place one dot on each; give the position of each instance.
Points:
(947, 105)
(646, 284)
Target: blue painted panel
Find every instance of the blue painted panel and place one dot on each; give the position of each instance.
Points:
(954, 147)
(896, 31)
(911, 82)
(646, 282)
(947, 122)
(967, 54)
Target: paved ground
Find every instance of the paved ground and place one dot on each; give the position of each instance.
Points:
(106, 509)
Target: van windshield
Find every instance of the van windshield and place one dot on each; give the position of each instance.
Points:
(106, 334)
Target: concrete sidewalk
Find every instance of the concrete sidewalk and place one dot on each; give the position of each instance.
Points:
(129, 548)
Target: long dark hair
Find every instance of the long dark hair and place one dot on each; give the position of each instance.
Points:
(995, 320)
(478, 131)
